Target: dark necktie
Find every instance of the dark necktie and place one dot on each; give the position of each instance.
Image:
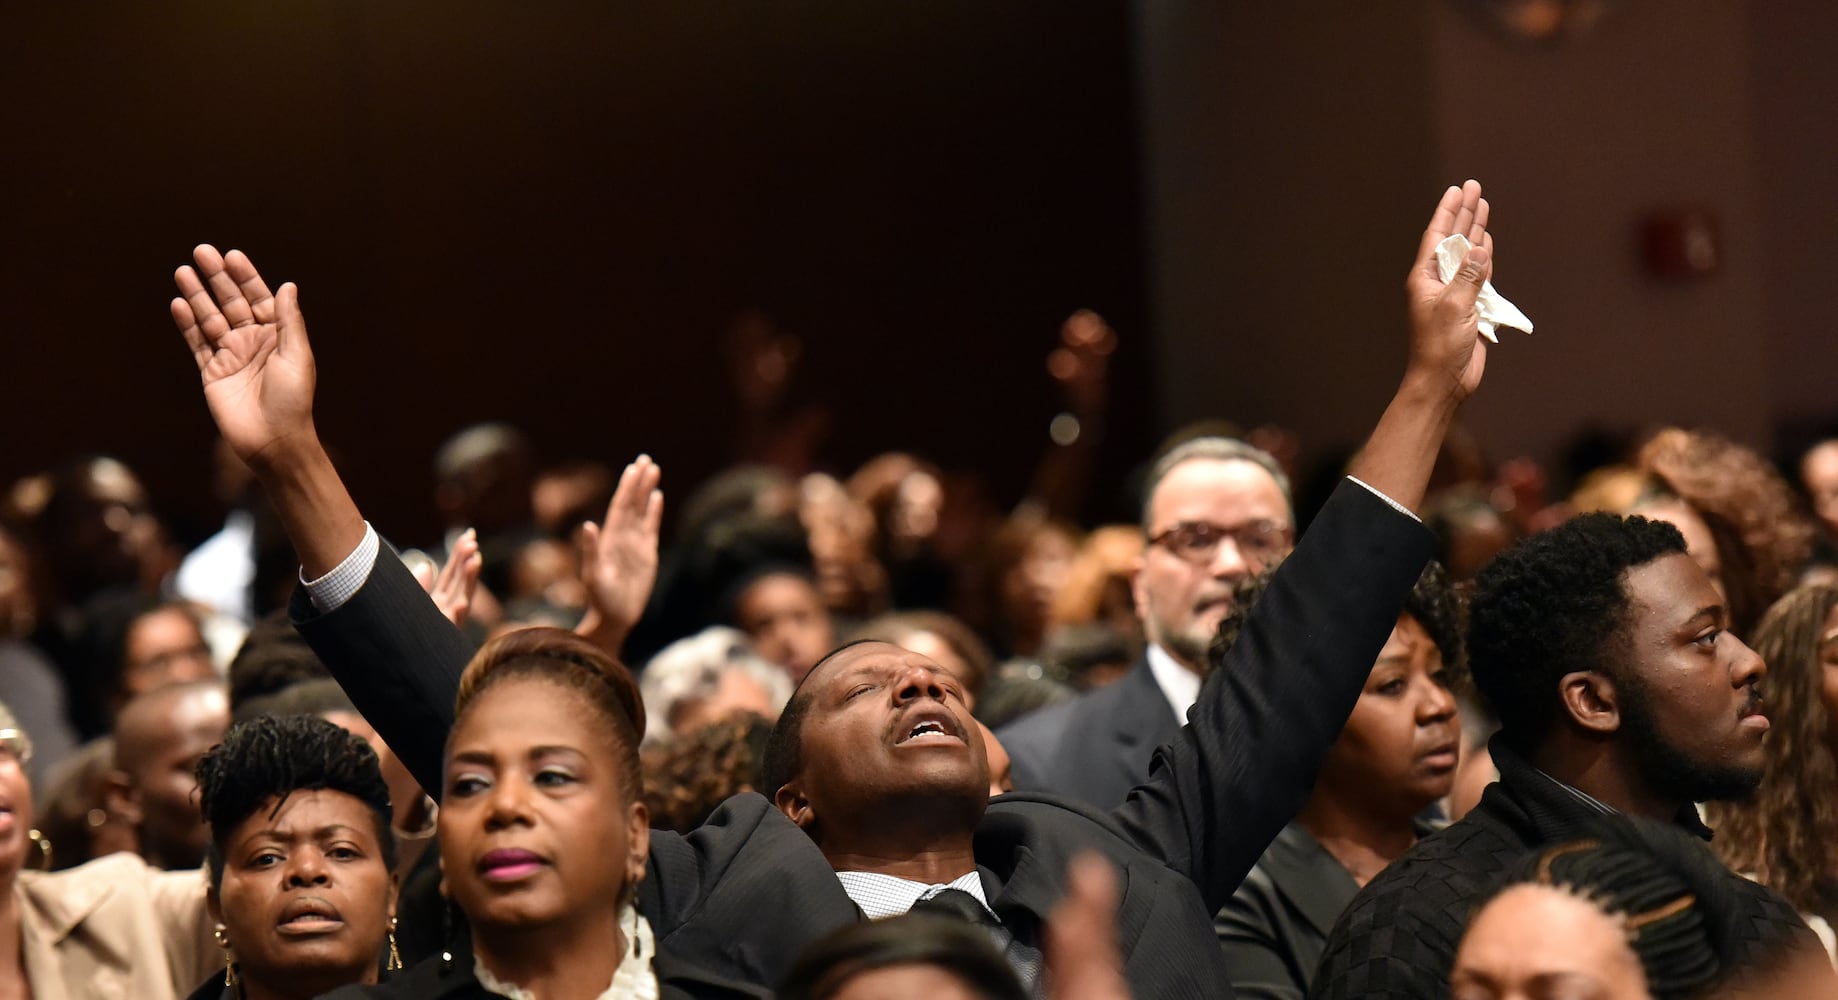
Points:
(960, 905)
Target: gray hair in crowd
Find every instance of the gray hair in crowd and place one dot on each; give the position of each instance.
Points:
(691, 669)
(1218, 449)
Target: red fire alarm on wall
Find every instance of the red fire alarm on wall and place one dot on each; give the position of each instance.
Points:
(1680, 244)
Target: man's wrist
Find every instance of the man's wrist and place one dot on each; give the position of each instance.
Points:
(289, 456)
(603, 630)
(1432, 391)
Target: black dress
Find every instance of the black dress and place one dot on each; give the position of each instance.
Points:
(214, 988)
(449, 977)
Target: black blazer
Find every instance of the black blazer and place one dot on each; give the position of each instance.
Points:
(451, 978)
(741, 895)
(1096, 747)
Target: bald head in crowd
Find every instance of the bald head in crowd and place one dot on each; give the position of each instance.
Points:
(159, 737)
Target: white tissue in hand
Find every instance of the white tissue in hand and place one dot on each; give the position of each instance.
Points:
(1492, 307)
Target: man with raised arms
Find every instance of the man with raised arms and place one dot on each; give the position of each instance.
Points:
(877, 797)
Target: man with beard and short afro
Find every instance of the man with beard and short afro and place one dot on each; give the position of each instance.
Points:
(1602, 648)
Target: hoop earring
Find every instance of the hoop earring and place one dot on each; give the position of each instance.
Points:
(395, 958)
(44, 848)
(229, 957)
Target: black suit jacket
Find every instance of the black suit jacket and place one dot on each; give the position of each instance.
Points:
(742, 894)
(1096, 747)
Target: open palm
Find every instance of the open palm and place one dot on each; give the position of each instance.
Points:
(251, 350)
(619, 555)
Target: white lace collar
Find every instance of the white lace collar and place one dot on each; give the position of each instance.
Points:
(634, 979)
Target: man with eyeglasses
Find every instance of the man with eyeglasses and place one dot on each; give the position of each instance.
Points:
(1217, 512)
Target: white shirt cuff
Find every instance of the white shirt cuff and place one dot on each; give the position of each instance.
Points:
(331, 591)
(1400, 508)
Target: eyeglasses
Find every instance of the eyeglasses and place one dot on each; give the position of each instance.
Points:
(16, 744)
(1197, 542)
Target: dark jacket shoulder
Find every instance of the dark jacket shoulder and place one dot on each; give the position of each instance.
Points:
(1097, 746)
(439, 978)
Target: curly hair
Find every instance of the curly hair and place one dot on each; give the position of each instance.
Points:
(1667, 891)
(270, 758)
(688, 777)
(566, 659)
(1442, 609)
(1762, 534)
(1786, 835)
(1552, 604)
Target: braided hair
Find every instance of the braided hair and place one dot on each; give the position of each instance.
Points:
(1669, 893)
(270, 758)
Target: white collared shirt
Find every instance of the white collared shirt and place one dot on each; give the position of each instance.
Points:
(1179, 685)
(882, 896)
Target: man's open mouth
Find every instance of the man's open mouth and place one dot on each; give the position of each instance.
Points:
(932, 726)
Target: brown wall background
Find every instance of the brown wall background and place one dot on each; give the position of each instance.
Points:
(1294, 152)
(549, 213)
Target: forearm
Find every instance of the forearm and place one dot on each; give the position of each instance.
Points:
(603, 631)
(314, 508)
(1400, 455)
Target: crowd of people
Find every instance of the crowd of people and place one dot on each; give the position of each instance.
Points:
(1415, 729)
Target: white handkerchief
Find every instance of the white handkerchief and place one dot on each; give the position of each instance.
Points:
(1493, 308)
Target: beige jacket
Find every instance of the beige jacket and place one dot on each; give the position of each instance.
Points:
(115, 929)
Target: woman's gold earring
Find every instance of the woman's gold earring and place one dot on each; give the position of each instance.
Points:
(395, 959)
(229, 957)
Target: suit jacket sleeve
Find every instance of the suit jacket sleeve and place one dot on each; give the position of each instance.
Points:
(1243, 766)
(398, 658)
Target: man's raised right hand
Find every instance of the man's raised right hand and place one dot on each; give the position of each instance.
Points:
(252, 354)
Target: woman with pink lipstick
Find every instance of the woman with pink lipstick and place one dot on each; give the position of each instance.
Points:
(302, 860)
(544, 835)
(1394, 759)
